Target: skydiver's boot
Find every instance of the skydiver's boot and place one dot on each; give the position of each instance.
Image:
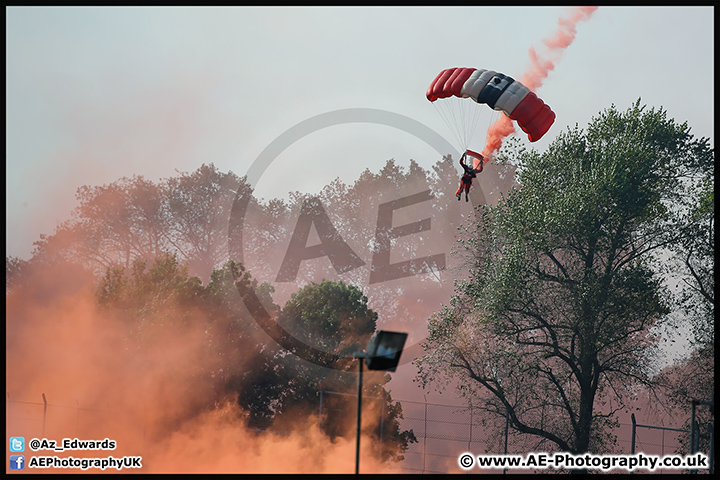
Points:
(466, 198)
(458, 195)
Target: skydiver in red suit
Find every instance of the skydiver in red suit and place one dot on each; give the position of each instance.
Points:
(468, 175)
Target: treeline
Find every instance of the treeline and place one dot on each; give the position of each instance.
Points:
(166, 258)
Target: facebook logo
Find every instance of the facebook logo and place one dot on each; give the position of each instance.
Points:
(17, 462)
(17, 444)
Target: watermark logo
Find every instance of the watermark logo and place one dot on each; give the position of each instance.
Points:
(17, 462)
(466, 461)
(17, 444)
(313, 217)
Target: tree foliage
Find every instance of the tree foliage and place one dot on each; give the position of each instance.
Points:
(332, 317)
(554, 326)
(273, 386)
(134, 218)
(693, 265)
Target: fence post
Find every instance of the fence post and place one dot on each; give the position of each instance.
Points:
(507, 427)
(471, 425)
(692, 426)
(320, 413)
(359, 410)
(382, 417)
(425, 436)
(44, 414)
(634, 427)
(695, 440)
(711, 458)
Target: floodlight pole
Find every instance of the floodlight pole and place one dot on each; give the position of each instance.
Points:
(382, 353)
(361, 359)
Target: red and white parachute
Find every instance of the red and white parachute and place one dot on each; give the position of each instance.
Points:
(499, 92)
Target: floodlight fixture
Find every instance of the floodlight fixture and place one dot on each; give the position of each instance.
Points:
(384, 350)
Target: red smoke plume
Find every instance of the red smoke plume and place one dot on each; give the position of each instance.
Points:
(540, 67)
(148, 393)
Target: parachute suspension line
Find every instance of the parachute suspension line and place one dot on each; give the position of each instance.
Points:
(462, 125)
(448, 113)
(462, 118)
(473, 122)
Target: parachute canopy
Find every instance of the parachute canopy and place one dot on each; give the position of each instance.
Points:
(499, 92)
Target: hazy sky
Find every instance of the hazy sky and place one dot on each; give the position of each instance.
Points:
(95, 94)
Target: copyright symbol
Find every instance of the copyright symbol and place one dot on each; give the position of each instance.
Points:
(34, 444)
(240, 206)
(466, 461)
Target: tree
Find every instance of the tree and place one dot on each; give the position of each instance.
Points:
(112, 225)
(160, 301)
(156, 302)
(556, 316)
(199, 205)
(693, 378)
(331, 317)
(15, 271)
(159, 304)
(695, 259)
(134, 218)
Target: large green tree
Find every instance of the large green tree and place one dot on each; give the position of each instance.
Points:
(556, 317)
(334, 320)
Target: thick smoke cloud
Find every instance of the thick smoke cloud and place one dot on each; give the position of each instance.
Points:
(148, 393)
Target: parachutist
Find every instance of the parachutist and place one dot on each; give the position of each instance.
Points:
(469, 174)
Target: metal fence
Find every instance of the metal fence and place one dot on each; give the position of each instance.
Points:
(44, 419)
(443, 431)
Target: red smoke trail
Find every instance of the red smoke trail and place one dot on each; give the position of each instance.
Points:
(539, 69)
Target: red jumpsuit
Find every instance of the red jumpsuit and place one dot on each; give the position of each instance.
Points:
(467, 178)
